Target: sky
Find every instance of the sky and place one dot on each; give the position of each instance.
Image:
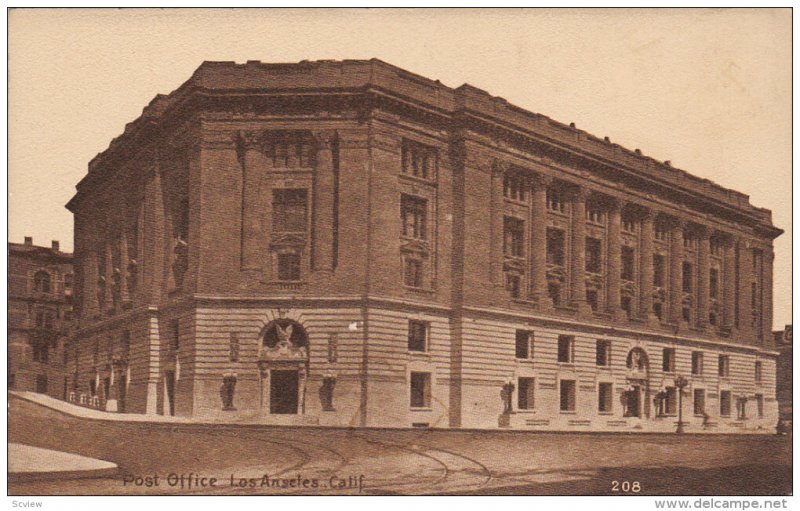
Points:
(709, 90)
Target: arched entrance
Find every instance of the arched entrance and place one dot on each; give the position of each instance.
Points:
(636, 398)
(283, 366)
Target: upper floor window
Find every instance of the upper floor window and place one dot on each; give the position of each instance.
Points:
(687, 277)
(42, 282)
(713, 283)
(716, 246)
(289, 266)
(67, 283)
(513, 235)
(514, 186)
(724, 366)
(603, 353)
(419, 160)
(555, 247)
(513, 284)
(697, 362)
(523, 344)
(566, 348)
(628, 224)
(628, 263)
(659, 270)
(668, 360)
(289, 151)
(413, 211)
(594, 215)
(417, 335)
(759, 371)
(555, 200)
(661, 231)
(594, 249)
(689, 240)
(412, 272)
(289, 210)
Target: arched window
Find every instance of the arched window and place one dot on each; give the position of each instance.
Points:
(41, 282)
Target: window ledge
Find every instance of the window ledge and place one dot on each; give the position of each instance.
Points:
(568, 412)
(605, 414)
(526, 411)
(570, 365)
(523, 360)
(420, 354)
(430, 181)
(413, 409)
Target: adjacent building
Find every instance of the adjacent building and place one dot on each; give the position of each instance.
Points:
(39, 314)
(783, 341)
(347, 243)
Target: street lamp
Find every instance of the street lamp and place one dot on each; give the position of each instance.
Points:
(680, 383)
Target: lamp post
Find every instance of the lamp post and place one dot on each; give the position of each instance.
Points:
(680, 383)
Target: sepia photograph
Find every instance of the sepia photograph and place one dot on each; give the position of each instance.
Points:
(408, 251)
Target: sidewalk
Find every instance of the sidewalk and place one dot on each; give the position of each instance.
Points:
(27, 463)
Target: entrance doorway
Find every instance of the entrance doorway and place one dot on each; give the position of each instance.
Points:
(634, 402)
(283, 391)
(169, 382)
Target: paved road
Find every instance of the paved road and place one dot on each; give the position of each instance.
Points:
(310, 460)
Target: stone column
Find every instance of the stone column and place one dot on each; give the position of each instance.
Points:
(89, 283)
(614, 257)
(646, 267)
(252, 217)
(676, 271)
(323, 202)
(578, 259)
(729, 284)
(539, 243)
(108, 252)
(124, 298)
(766, 309)
(496, 221)
(703, 270)
(746, 277)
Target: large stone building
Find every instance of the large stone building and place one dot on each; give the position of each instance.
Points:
(39, 314)
(347, 243)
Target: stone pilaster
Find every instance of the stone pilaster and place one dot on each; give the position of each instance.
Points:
(578, 259)
(323, 202)
(729, 285)
(766, 318)
(111, 289)
(498, 172)
(703, 271)
(746, 278)
(250, 144)
(646, 267)
(89, 283)
(614, 258)
(124, 297)
(539, 243)
(676, 271)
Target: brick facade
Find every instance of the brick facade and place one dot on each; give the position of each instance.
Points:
(40, 281)
(347, 243)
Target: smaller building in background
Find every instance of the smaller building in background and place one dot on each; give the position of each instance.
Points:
(39, 312)
(783, 342)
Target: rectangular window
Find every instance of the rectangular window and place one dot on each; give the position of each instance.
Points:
(671, 401)
(760, 404)
(418, 160)
(626, 304)
(603, 353)
(594, 249)
(513, 285)
(628, 225)
(628, 263)
(594, 215)
(724, 366)
(554, 292)
(289, 210)
(662, 231)
(658, 310)
(759, 369)
(326, 394)
(716, 246)
(686, 314)
(566, 349)
(289, 267)
(417, 336)
(523, 344)
(420, 390)
(713, 283)
(567, 396)
(668, 360)
(514, 187)
(741, 408)
(555, 247)
(513, 235)
(659, 270)
(725, 403)
(592, 299)
(697, 362)
(605, 397)
(699, 402)
(687, 277)
(413, 212)
(688, 240)
(412, 273)
(555, 200)
(525, 391)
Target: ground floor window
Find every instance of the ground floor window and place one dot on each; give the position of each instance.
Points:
(567, 401)
(699, 402)
(41, 383)
(420, 390)
(671, 401)
(525, 394)
(326, 394)
(605, 397)
(760, 404)
(725, 403)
